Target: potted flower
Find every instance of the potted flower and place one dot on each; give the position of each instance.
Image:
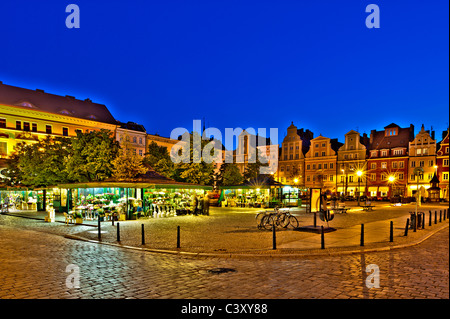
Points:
(101, 214)
(78, 217)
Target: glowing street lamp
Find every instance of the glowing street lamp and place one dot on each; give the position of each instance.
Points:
(391, 180)
(359, 173)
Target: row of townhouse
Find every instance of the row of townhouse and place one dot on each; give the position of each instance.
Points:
(29, 115)
(389, 162)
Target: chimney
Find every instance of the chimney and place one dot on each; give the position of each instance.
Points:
(432, 134)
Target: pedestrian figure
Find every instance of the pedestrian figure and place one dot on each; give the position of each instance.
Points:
(194, 204)
(206, 205)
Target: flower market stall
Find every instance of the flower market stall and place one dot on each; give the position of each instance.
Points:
(147, 195)
(262, 191)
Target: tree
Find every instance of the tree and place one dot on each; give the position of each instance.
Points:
(231, 175)
(92, 156)
(193, 169)
(40, 164)
(159, 159)
(127, 164)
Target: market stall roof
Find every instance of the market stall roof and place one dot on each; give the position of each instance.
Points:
(151, 179)
(262, 181)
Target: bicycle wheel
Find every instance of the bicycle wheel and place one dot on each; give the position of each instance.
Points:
(259, 218)
(268, 221)
(283, 220)
(293, 222)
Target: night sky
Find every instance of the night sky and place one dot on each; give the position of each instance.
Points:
(241, 63)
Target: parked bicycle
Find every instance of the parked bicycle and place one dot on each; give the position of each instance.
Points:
(277, 218)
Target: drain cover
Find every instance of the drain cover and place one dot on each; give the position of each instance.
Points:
(221, 270)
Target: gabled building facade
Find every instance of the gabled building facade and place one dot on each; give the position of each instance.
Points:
(321, 164)
(291, 165)
(442, 162)
(352, 168)
(387, 162)
(422, 154)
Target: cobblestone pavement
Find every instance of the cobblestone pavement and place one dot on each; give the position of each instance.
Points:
(34, 264)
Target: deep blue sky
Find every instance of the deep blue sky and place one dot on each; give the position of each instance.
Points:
(238, 63)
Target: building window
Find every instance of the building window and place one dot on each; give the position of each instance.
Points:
(413, 163)
(2, 123)
(400, 176)
(48, 129)
(34, 127)
(421, 163)
(65, 131)
(26, 126)
(140, 140)
(430, 163)
(445, 176)
(383, 165)
(3, 148)
(319, 166)
(323, 153)
(316, 154)
(331, 178)
(18, 125)
(325, 166)
(373, 165)
(331, 165)
(78, 131)
(296, 156)
(445, 163)
(140, 152)
(401, 164)
(281, 168)
(373, 154)
(398, 152)
(308, 166)
(394, 165)
(373, 177)
(384, 153)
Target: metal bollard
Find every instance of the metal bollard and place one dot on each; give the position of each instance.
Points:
(99, 230)
(322, 238)
(391, 235)
(178, 236)
(407, 226)
(440, 216)
(423, 220)
(435, 217)
(274, 237)
(362, 235)
(118, 231)
(143, 234)
(429, 221)
(415, 222)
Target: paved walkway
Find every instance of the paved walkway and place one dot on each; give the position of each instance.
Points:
(344, 240)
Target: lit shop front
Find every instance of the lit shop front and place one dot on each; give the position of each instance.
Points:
(124, 200)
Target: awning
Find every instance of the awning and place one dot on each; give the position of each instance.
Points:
(384, 189)
(373, 188)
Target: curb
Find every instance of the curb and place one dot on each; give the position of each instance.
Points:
(306, 253)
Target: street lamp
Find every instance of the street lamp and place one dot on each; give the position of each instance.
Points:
(417, 172)
(391, 180)
(359, 173)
